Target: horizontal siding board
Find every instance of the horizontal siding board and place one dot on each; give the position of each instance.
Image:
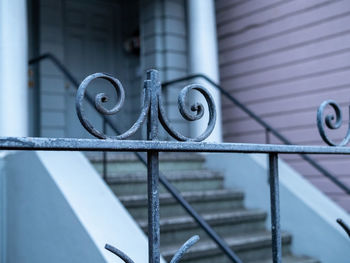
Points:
(285, 57)
(297, 100)
(309, 22)
(285, 41)
(335, 166)
(291, 158)
(52, 132)
(283, 74)
(221, 5)
(236, 114)
(174, 8)
(173, 73)
(259, 138)
(338, 80)
(179, 58)
(308, 136)
(49, 33)
(52, 84)
(297, 119)
(175, 42)
(289, 80)
(282, 62)
(52, 102)
(326, 186)
(249, 68)
(271, 15)
(53, 119)
(247, 8)
(233, 57)
(289, 104)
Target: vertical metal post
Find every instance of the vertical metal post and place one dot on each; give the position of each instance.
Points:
(275, 209)
(34, 48)
(153, 86)
(104, 154)
(267, 136)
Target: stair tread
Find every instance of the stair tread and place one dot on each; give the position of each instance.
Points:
(122, 157)
(186, 175)
(252, 238)
(192, 196)
(289, 259)
(237, 243)
(211, 218)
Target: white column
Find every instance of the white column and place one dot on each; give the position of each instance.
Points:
(203, 57)
(13, 68)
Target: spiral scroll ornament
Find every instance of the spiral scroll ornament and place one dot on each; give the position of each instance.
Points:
(151, 90)
(196, 113)
(176, 258)
(102, 98)
(331, 121)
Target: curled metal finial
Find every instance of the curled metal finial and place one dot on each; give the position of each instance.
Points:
(331, 121)
(344, 226)
(102, 98)
(151, 88)
(183, 249)
(197, 111)
(119, 253)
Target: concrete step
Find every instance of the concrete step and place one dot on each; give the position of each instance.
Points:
(249, 247)
(201, 201)
(244, 230)
(135, 183)
(174, 230)
(128, 162)
(289, 259)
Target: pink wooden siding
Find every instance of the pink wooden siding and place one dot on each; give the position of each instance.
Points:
(282, 59)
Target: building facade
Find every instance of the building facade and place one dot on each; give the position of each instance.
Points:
(281, 59)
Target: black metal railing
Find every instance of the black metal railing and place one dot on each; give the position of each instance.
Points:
(143, 159)
(269, 129)
(153, 113)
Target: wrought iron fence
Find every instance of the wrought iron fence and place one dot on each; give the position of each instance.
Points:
(153, 112)
(271, 130)
(143, 159)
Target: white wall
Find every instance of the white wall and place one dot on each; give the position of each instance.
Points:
(203, 59)
(60, 210)
(13, 68)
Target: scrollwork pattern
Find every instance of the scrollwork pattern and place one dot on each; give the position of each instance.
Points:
(195, 112)
(176, 258)
(102, 98)
(332, 121)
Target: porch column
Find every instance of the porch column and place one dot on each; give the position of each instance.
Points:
(13, 68)
(203, 57)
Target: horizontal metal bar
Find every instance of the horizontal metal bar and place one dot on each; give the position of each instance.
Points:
(267, 127)
(71, 144)
(219, 241)
(250, 113)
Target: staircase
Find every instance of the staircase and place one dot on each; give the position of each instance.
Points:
(243, 229)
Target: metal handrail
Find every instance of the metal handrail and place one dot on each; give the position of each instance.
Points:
(163, 180)
(267, 127)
